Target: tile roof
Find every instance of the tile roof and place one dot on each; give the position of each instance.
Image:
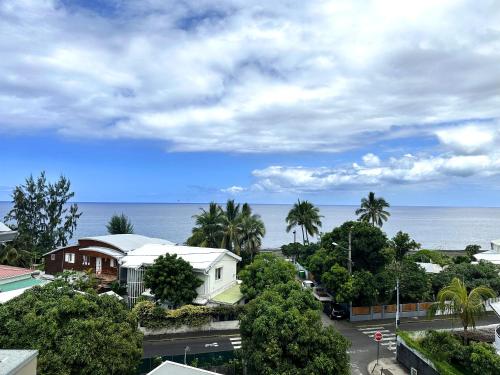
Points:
(7, 272)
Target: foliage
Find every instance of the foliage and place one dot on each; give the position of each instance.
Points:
(120, 224)
(461, 259)
(118, 288)
(151, 315)
(282, 333)
(457, 300)
(75, 333)
(306, 216)
(430, 256)
(172, 280)
(368, 243)
(472, 250)
(414, 283)
(299, 251)
(251, 231)
(265, 271)
(11, 256)
(401, 244)
(483, 273)
(335, 280)
(42, 216)
(364, 288)
(372, 210)
(208, 231)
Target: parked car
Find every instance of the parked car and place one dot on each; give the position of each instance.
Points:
(307, 284)
(337, 312)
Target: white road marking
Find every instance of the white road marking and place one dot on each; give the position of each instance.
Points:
(370, 328)
(237, 346)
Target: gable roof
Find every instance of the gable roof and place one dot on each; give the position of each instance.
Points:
(201, 258)
(6, 234)
(127, 242)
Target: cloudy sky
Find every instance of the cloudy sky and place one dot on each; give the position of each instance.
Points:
(192, 101)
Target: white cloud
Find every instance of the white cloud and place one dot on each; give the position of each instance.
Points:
(371, 160)
(233, 190)
(247, 76)
(470, 139)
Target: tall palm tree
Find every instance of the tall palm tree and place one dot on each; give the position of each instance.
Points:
(208, 231)
(251, 232)
(305, 215)
(231, 226)
(120, 224)
(455, 299)
(373, 211)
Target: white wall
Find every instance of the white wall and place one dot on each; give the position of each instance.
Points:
(228, 264)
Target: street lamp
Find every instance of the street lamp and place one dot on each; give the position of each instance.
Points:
(349, 251)
(186, 349)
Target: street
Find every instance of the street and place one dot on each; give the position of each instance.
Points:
(363, 347)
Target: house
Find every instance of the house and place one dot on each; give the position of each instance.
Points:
(6, 234)
(215, 267)
(101, 254)
(173, 368)
(492, 255)
(18, 362)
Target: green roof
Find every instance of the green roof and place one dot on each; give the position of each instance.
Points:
(230, 296)
(20, 284)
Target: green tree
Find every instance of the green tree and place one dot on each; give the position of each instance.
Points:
(9, 255)
(402, 244)
(364, 288)
(251, 232)
(172, 280)
(431, 256)
(282, 333)
(373, 211)
(75, 333)
(306, 216)
(472, 250)
(368, 244)
(265, 271)
(457, 300)
(209, 229)
(42, 216)
(120, 224)
(338, 281)
(231, 226)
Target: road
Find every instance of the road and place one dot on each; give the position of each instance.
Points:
(363, 348)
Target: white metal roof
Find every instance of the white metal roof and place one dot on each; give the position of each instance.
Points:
(201, 258)
(104, 250)
(490, 256)
(127, 242)
(6, 234)
(171, 368)
(430, 267)
(4, 228)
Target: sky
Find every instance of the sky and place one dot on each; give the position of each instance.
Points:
(264, 102)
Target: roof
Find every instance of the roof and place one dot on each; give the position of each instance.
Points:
(496, 242)
(112, 294)
(430, 267)
(170, 368)
(490, 256)
(127, 242)
(6, 234)
(104, 250)
(4, 228)
(6, 272)
(201, 258)
(230, 296)
(12, 361)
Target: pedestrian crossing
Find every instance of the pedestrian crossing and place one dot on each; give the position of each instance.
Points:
(388, 337)
(236, 342)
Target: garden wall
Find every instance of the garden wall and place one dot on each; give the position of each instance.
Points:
(412, 359)
(229, 325)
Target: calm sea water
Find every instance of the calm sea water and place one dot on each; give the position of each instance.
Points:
(434, 227)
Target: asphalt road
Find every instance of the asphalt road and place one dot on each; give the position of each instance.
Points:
(363, 348)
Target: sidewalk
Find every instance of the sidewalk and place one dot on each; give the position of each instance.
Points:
(390, 365)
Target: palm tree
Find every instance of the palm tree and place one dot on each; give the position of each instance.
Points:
(208, 231)
(120, 224)
(251, 232)
(305, 215)
(231, 222)
(373, 211)
(454, 299)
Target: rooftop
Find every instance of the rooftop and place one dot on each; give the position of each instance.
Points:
(171, 368)
(7, 272)
(128, 242)
(12, 361)
(230, 296)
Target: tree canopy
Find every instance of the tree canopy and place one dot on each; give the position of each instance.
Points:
(41, 214)
(306, 216)
(401, 244)
(172, 280)
(372, 210)
(75, 333)
(282, 333)
(120, 224)
(265, 271)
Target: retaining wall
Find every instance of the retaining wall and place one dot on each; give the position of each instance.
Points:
(228, 325)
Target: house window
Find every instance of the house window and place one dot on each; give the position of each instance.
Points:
(52, 256)
(86, 260)
(218, 273)
(69, 258)
(112, 263)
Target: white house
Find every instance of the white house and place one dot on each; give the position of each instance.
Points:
(215, 267)
(430, 267)
(6, 234)
(492, 255)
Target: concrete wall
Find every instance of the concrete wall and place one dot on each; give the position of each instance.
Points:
(412, 359)
(229, 325)
(214, 287)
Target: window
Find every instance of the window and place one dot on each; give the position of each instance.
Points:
(218, 273)
(69, 258)
(86, 260)
(112, 263)
(52, 256)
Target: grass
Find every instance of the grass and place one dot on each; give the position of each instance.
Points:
(442, 367)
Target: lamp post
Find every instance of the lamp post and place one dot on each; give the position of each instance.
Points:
(349, 251)
(186, 349)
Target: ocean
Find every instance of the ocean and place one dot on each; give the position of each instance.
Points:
(444, 228)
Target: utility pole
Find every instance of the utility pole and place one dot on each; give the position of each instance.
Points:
(397, 300)
(349, 264)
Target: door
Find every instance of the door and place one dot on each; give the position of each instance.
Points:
(98, 265)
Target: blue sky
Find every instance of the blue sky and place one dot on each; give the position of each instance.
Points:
(164, 101)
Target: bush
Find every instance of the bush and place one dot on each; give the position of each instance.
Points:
(153, 316)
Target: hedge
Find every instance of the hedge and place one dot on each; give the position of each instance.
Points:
(151, 315)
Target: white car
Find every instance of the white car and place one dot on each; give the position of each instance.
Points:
(308, 284)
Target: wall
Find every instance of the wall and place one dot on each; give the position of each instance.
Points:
(228, 264)
(411, 358)
(229, 325)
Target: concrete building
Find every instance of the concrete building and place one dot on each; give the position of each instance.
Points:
(18, 362)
